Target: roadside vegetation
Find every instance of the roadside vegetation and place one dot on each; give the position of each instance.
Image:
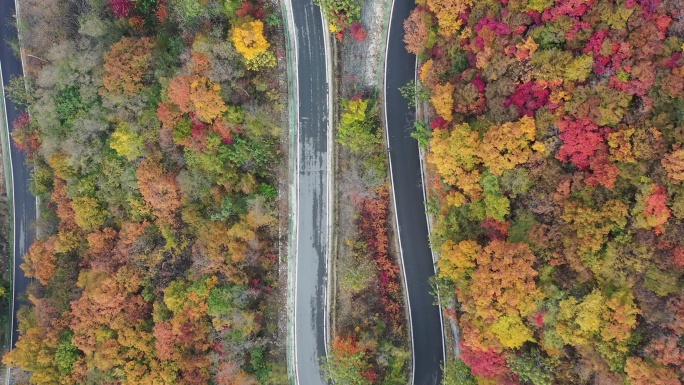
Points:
(154, 129)
(556, 167)
(370, 335)
(5, 273)
(344, 16)
(370, 343)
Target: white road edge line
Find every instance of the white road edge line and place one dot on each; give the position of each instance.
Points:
(394, 201)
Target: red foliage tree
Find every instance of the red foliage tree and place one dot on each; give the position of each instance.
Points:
(121, 8)
(601, 171)
(25, 136)
(496, 230)
(529, 97)
(573, 8)
(675, 306)
(439, 123)
(678, 256)
(249, 9)
(667, 351)
(164, 340)
(581, 139)
(372, 227)
(484, 363)
(162, 13)
(358, 32)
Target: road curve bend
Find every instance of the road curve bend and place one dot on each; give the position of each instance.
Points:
(409, 205)
(24, 203)
(311, 193)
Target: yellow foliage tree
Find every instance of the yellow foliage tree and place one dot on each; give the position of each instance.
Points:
(447, 12)
(508, 145)
(249, 39)
(455, 155)
(126, 143)
(604, 321)
(206, 98)
(457, 260)
(88, 213)
(592, 226)
(578, 321)
(621, 146)
(443, 100)
(511, 331)
(35, 354)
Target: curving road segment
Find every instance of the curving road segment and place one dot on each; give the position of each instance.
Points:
(409, 206)
(24, 203)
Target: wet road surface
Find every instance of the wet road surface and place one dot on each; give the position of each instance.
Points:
(312, 192)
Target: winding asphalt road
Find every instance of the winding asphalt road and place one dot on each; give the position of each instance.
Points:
(311, 239)
(409, 201)
(24, 208)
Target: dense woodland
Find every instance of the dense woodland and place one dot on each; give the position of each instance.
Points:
(556, 151)
(153, 130)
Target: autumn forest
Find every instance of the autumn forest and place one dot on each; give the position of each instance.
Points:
(153, 131)
(157, 132)
(556, 169)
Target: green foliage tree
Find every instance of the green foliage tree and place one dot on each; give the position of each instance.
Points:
(533, 367)
(340, 13)
(457, 373)
(358, 129)
(66, 353)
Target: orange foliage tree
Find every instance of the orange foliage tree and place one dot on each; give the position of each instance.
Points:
(39, 262)
(126, 63)
(198, 94)
(503, 282)
(159, 188)
(640, 372)
(674, 165)
(417, 30)
(650, 210)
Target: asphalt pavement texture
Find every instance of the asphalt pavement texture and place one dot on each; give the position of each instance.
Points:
(426, 323)
(312, 205)
(24, 201)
